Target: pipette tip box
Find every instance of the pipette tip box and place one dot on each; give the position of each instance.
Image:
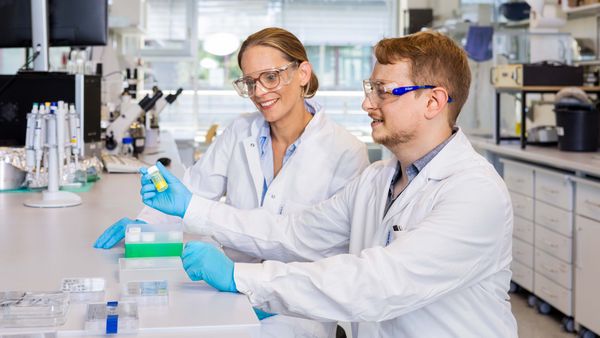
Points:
(146, 240)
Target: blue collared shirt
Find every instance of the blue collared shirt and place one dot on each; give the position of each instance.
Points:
(413, 170)
(265, 150)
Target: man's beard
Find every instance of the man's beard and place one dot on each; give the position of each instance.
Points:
(395, 139)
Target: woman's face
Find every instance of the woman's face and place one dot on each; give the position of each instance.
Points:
(278, 92)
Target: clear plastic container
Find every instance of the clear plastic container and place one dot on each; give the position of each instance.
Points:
(112, 318)
(158, 268)
(45, 334)
(84, 290)
(148, 240)
(22, 309)
(150, 292)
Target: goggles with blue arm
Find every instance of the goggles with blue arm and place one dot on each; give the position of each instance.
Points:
(378, 91)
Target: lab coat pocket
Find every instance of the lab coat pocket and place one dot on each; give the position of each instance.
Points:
(396, 231)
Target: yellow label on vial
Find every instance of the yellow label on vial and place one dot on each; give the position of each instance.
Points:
(160, 183)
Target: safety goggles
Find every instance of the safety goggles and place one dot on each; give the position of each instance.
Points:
(269, 80)
(377, 92)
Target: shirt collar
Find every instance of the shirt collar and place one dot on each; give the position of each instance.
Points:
(264, 134)
(415, 168)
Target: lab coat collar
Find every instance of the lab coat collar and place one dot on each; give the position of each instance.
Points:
(448, 161)
(251, 145)
(451, 159)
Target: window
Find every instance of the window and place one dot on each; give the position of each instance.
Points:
(169, 28)
(338, 35)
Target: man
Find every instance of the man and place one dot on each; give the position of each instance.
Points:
(417, 246)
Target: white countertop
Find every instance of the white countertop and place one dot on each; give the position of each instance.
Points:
(39, 247)
(584, 162)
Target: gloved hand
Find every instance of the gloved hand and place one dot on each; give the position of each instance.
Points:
(115, 233)
(203, 261)
(262, 314)
(173, 201)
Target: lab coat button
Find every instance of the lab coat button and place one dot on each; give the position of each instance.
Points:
(273, 196)
(252, 144)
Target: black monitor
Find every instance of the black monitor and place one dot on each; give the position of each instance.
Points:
(71, 23)
(19, 92)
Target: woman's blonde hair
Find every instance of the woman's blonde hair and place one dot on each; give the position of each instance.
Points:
(288, 44)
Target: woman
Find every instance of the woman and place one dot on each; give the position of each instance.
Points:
(286, 156)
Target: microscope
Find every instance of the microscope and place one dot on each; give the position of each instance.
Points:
(130, 113)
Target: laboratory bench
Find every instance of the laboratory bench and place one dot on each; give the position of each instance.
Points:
(40, 247)
(556, 232)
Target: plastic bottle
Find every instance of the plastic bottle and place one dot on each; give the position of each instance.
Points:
(127, 146)
(157, 178)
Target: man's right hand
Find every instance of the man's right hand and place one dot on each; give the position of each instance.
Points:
(115, 233)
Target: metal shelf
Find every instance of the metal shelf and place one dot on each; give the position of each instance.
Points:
(582, 11)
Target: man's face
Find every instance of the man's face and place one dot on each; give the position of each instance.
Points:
(395, 119)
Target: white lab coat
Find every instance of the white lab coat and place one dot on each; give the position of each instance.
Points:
(444, 274)
(326, 159)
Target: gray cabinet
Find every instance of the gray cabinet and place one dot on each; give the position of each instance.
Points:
(587, 254)
(543, 232)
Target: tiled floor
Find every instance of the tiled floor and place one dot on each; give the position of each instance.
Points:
(534, 325)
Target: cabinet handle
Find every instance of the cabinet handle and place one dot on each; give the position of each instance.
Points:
(597, 205)
(550, 191)
(578, 247)
(550, 219)
(551, 244)
(546, 291)
(520, 180)
(549, 268)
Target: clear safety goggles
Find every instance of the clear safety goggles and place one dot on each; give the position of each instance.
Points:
(269, 80)
(377, 91)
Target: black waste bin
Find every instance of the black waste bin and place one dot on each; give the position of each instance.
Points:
(578, 126)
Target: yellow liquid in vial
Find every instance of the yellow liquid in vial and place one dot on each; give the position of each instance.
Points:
(159, 182)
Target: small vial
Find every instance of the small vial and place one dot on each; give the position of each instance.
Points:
(158, 180)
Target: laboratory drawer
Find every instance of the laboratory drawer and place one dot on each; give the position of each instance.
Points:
(554, 269)
(553, 243)
(554, 188)
(588, 199)
(587, 273)
(518, 177)
(522, 205)
(522, 275)
(554, 294)
(522, 252)
(554, 218)
(523, 229)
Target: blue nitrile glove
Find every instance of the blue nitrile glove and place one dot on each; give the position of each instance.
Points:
(115, 233)
(203, 261)
(173, 201)
(262, 314)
